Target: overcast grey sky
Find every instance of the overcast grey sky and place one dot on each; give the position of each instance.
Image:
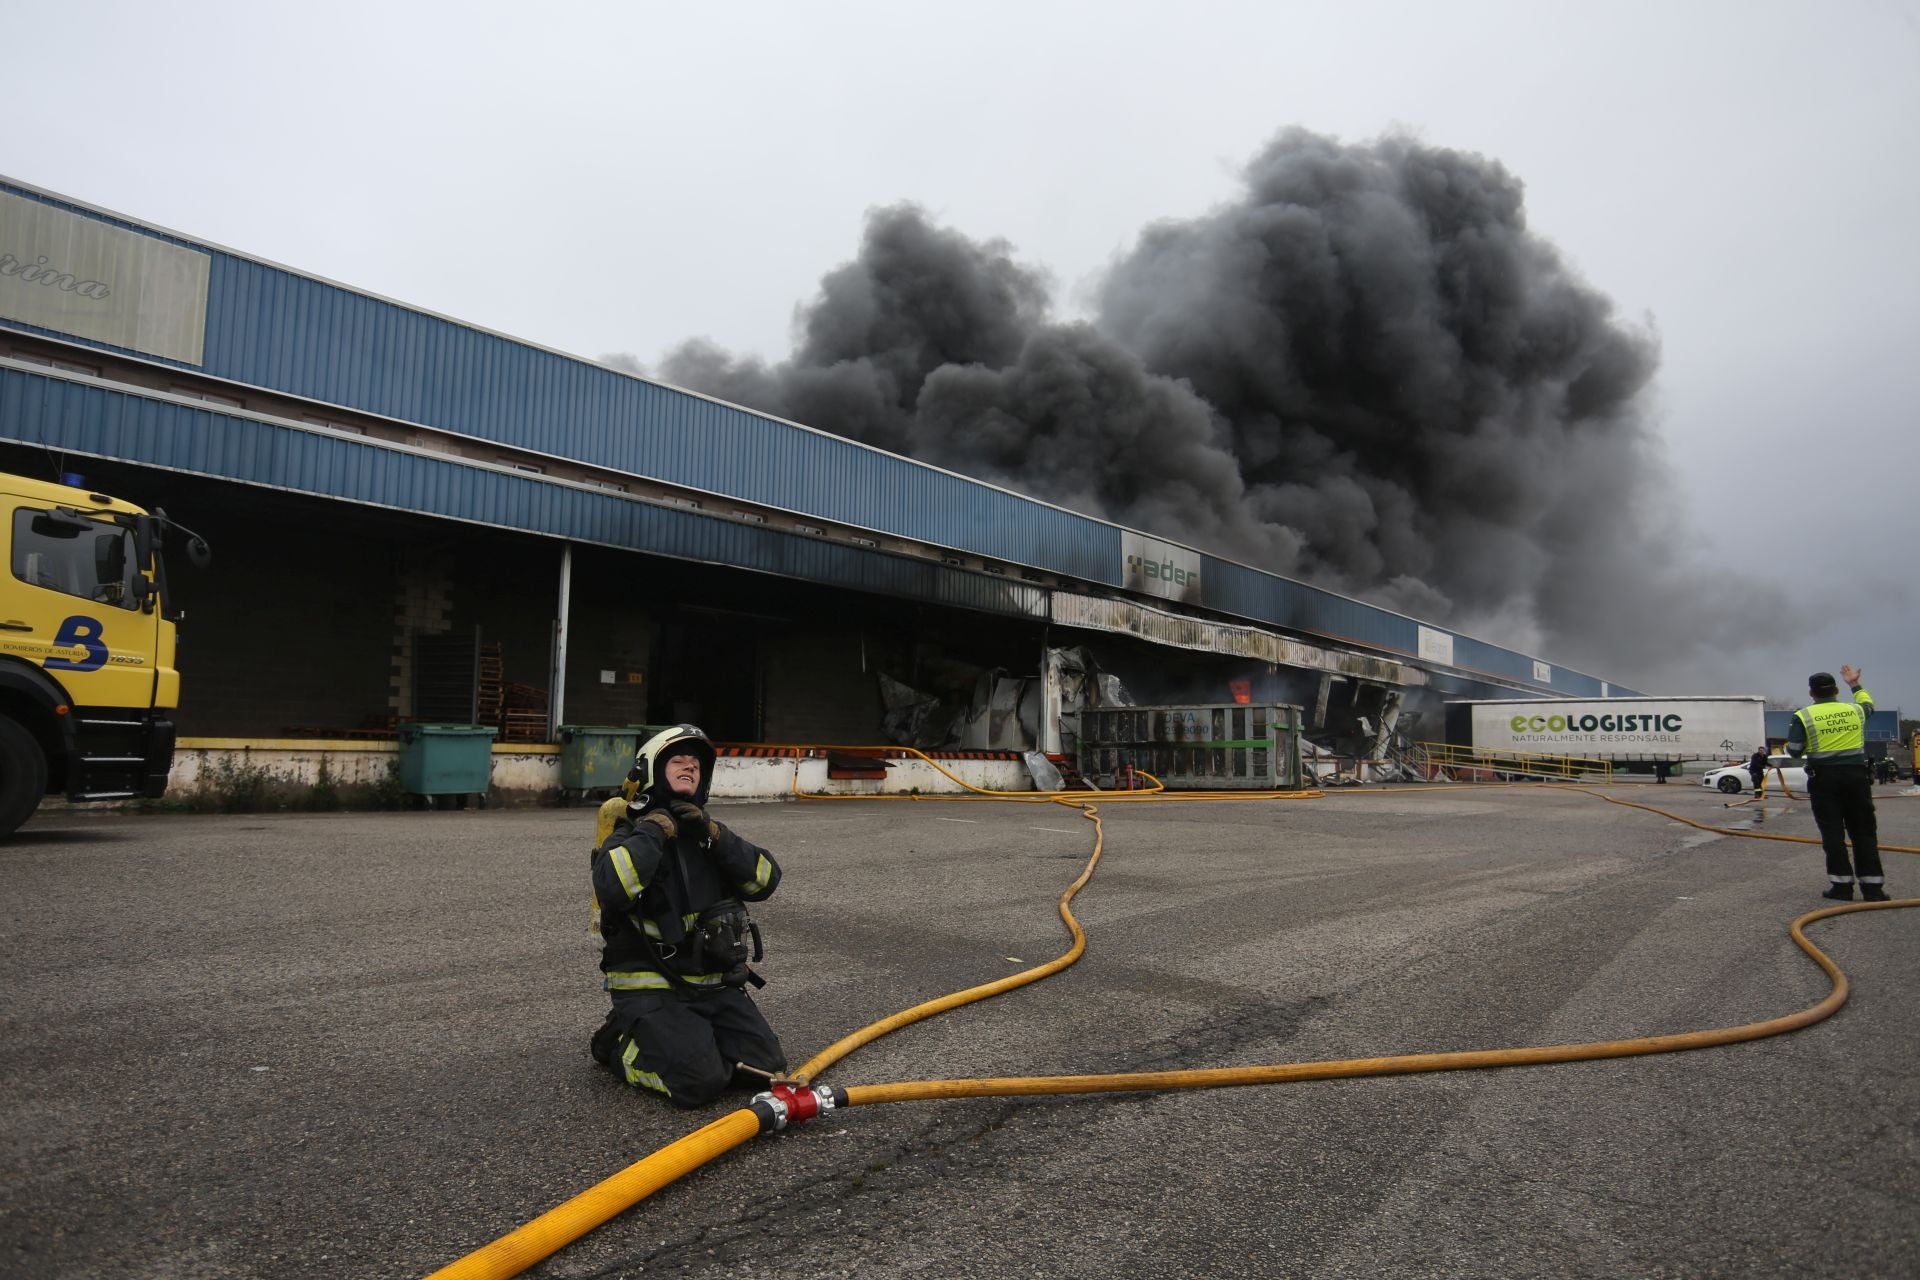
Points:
(1742, 179)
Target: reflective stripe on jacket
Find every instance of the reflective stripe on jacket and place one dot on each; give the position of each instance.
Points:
(654, 980)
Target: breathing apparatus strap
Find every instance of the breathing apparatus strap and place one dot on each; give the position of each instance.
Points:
(660, 963)
(721, 915)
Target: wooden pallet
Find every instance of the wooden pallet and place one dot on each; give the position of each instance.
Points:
(523, 716)
(523, 726)
(490, 693)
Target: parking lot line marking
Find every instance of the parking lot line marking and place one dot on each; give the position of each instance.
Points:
(974, 821)
(1065, 831)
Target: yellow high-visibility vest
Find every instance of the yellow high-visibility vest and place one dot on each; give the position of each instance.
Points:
(1836, 728)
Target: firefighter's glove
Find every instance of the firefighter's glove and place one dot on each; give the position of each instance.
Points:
(663, 820)
(694, 820)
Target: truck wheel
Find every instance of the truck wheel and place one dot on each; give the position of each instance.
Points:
(1729, 786)
(23, 776)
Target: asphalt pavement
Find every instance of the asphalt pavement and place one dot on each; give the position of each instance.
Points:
(355, 1045)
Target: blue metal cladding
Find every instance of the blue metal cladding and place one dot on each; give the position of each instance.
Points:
(272, 328)
(1478, 655)
(84, 418)
(1250, 593)
(1235, 588)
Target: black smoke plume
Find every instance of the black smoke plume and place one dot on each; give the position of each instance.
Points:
(1365, 371)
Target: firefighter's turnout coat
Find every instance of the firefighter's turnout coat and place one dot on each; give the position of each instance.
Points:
(645, 882)
(676, 1027)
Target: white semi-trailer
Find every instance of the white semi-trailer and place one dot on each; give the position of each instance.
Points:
(1658, 730)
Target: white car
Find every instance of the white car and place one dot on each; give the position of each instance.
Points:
(1734, 778)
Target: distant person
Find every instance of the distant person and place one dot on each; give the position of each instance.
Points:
(1757, 770)
(1832, 735)
(668, 891)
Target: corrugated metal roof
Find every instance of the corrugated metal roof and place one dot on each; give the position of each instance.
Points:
(77, 415)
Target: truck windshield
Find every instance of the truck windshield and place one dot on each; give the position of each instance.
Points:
(95, 562)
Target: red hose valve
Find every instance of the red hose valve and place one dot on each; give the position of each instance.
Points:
(802, 1104)
(787, 1104)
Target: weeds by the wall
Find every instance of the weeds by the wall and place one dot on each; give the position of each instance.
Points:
(232, 783)
(385, 792)
(323, 796)
(229, 785)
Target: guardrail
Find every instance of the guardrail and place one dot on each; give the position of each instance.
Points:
(1444, 761)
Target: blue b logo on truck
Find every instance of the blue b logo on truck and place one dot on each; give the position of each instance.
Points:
(83, 632)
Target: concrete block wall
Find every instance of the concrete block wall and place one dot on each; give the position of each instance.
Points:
(816, 691)
(608, 633)
(287, 628)
(422, 605)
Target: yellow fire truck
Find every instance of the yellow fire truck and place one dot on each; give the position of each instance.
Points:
(87, 681)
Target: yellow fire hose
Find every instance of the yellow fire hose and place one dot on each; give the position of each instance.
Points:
(1403, 1064)
(1725, 831)
(521, 1248)
(1585, 791)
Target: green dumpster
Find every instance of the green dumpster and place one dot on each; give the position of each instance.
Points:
(446, 759)
(595, 757)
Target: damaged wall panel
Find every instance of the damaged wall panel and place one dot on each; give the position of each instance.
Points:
(1159, 627)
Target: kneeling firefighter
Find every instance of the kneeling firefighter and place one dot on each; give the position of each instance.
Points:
(669, 890)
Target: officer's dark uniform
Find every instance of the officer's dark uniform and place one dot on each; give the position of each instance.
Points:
(679, 1023)
(1832, 736)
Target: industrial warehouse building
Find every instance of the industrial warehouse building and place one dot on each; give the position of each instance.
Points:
(415, 518)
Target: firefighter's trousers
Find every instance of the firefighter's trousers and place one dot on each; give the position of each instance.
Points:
(685, 1044)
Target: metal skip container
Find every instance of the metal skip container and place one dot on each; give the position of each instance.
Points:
(446, 760)
(596, 757)
(1229, 746)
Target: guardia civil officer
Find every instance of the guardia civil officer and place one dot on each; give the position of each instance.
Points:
(669, 888)
(1832, 735)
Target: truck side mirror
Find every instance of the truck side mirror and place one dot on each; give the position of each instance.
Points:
(146, 537)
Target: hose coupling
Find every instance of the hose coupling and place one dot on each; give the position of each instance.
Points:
(787, 1104)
